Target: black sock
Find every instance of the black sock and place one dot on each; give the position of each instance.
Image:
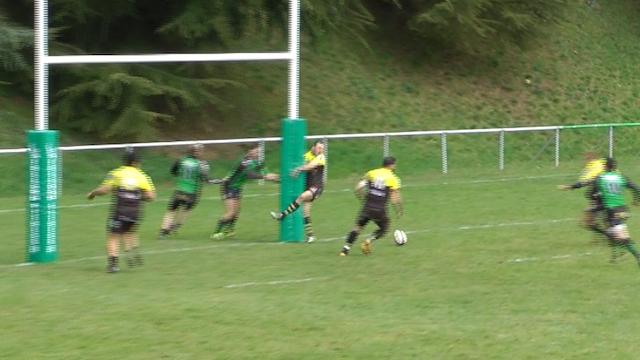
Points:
(308, 230)
(291, 208)
(231, 224)
(113, 260)
(351, 238)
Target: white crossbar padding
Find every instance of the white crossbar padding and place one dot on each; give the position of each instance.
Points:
(106, 59)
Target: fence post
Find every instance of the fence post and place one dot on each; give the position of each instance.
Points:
(385, 146)
(445, 160)
(557, 147)
(501, 147)
(611, 141)
(325, 173)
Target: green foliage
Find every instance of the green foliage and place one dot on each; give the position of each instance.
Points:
(130, 102)
(15, 41)
(478, 26)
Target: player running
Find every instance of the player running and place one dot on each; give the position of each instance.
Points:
(190, 172)
(593, 168)
(129, 186)
(611, 185)
(377, 187)
(249, 168)
(314, 163)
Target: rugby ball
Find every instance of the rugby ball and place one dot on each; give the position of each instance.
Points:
(400, 237)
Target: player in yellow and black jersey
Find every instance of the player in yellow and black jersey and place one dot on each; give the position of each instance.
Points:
(594, 166)
(129, 186)
(314, 163)
(378, 187)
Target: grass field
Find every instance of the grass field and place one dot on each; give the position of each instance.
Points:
(495, 268)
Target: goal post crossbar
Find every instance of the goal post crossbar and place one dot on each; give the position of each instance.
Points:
(165, 58)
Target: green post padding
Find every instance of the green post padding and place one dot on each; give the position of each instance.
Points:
(291, 156)
(42, 196)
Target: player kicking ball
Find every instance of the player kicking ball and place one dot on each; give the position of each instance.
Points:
(191, 173)
(611, 185)
(314, 163)
(378, 187)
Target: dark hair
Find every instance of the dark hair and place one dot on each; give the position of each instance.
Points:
(388, 160)
(610, 164)
(130, 157)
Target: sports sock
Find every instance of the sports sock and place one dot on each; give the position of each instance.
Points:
(351, 238)
(231, 224)
(631, 248)
(291, 208)
(308, 230)
(221, 224)
(113, 261)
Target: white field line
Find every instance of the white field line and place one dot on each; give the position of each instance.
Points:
(479, 181)
(274, 282)
(546, 258)
(245, 244)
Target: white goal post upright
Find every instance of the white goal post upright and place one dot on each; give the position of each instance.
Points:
(43, 143)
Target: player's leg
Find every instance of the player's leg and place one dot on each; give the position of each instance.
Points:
(183, 212)
(132, 246)
(306, 196)
(590, 216)
(361, 222)
(169, 216)
(230, 206)
(113, 244)
(231, 226)
(308, 229)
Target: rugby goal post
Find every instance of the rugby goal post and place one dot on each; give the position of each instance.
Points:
(42, 143)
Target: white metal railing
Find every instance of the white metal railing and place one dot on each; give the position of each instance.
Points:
(385, 136)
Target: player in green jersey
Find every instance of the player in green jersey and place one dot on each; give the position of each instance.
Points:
(248, 168)
(190, 172)
(611, 184)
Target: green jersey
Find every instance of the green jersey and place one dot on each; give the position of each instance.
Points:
(245, 170)
(190, 173)
(611, 185)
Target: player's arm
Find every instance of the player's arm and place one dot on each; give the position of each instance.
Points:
(396, 201)
(317, 162)
(636, 191)
(577, 185)
(99, 191)
(361, 189)
(105, 188)
(175, 167)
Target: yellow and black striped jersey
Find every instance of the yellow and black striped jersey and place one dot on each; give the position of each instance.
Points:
(315, 176)
(127, 184)
(380, 182)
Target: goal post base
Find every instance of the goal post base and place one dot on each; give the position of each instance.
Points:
(42, 196)
(291, 156)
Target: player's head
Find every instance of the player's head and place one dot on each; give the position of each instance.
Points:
(196, 150)
(611, 164)
(254, 152)
(318, 147)
(389, 162)
(130, 157)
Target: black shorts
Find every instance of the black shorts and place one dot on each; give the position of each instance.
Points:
(121, 225)
(316, 191)
(182, 199)
(377, 216)
(229, 192)
(617, 216)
